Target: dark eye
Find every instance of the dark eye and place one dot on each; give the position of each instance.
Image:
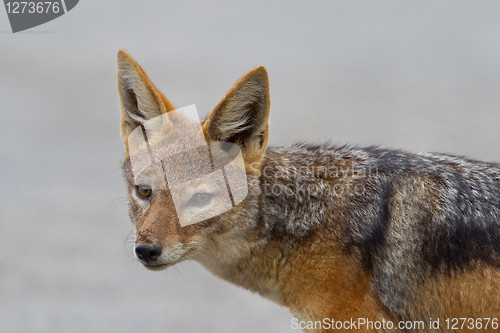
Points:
(200, 199)
(143, 192)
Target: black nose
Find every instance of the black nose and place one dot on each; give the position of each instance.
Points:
(148, 252)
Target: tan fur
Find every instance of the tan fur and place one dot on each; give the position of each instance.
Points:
(469, 294)
(313, 289)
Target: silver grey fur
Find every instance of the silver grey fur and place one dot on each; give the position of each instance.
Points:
(412, 215)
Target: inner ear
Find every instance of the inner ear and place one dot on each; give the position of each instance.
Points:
(140, 100)
(243, 127)
(131, 105)
(241, 117)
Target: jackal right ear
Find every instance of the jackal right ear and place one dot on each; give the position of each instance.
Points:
(241, 117)
(140, 100)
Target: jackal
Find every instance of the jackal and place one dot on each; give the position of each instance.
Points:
(331, 232)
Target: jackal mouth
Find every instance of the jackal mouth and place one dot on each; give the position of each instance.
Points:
(159, 265)
(156, 267)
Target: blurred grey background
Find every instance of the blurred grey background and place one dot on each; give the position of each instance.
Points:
(421, 76)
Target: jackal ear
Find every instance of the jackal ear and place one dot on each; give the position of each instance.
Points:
(140, 100)
(242, 115)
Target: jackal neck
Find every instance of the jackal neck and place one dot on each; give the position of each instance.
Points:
(291, 209)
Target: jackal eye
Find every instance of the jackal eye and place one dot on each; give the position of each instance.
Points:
(200, 199)
(143, 192)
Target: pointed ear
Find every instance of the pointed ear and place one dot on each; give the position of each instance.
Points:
(242, 115)
(139, 98)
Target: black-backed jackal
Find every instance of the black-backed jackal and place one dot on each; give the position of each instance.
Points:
(332, 232)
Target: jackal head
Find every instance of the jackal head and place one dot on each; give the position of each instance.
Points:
(164, 193)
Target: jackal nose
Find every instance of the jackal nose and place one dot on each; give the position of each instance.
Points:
(148, 252)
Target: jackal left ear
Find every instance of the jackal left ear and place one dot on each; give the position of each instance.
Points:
(241, 117)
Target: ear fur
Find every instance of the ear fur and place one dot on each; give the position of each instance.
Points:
(140, 100)
(242, 115)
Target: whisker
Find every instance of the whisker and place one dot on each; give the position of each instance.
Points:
(114, 203)
(179, 272)
(129, 243)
